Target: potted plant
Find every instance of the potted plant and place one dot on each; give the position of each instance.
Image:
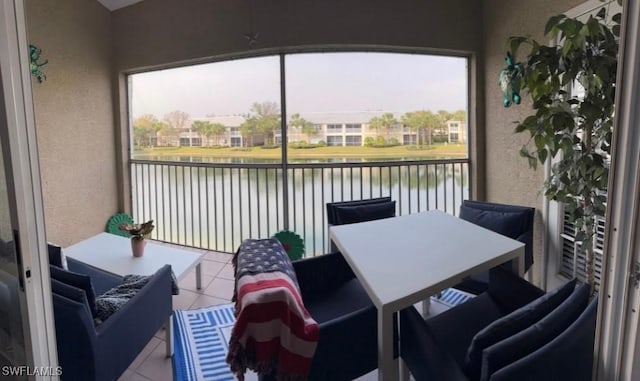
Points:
(573, 128)
(138, 233)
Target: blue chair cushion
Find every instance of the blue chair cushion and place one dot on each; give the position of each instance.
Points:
(80, 281)
(70, 292)
(531, 339)
(513, 221)
(511, 324)
(361, 213)
(56, 256)
(506, 223)
(331, 206)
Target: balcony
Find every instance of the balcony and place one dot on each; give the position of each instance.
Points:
(84, 146)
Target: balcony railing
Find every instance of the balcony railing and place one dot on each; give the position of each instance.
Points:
(217, 205)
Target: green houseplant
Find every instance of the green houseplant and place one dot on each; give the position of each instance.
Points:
(138, 233)
(573, 128)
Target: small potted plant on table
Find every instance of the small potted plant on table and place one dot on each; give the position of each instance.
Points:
(138, 234)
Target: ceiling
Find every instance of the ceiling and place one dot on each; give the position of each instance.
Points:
(112, 5)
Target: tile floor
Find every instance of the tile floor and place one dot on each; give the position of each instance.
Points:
(217, 288)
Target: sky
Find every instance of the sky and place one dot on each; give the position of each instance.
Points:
(315, 83)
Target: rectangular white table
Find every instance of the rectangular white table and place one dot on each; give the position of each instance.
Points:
(112, 253)
(403, 260)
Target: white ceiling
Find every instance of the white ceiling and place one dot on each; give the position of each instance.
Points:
(112, 5)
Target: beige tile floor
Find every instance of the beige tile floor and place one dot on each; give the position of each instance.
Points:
(217, 288)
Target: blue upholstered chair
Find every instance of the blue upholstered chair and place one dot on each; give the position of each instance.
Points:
(513, 331)
(513, 221)
(347, 319)
(90, 351)
(350, 212)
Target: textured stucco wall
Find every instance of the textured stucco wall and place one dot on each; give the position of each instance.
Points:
(508, 176)
(157, 32)
(74, 116)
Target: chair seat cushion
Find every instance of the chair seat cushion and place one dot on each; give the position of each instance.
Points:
(345, 299)
(534, 337)
(511, 324)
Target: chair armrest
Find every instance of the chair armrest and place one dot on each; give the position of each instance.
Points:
(319, 275)
(124, 334)
(419, 350)
(509, 291)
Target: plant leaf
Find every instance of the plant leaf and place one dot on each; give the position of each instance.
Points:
(552, 22)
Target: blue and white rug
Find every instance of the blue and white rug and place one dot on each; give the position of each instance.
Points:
(451, 297)
(201, 341)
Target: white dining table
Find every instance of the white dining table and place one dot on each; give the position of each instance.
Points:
(403, 260)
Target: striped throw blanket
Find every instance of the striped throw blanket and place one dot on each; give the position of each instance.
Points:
(273, 333)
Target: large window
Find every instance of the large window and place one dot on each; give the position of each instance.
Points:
(334, 141)
(231, 110)
(351, 140)
(208, 142)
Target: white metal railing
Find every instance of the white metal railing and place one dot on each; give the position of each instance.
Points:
(217, 205)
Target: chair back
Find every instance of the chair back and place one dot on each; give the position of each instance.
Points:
(513, 221)
(75, 337)
(347, 212)
(567, 357)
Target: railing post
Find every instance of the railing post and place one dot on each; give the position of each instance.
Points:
(283, 144)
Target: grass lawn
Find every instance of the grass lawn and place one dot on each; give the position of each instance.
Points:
(440, 151)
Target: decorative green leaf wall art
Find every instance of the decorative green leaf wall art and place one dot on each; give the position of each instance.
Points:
(34, 65)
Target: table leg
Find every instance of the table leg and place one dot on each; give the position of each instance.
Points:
(518, 265)
(169, 336)
(387, 367)
(425, 307)
(199, 276)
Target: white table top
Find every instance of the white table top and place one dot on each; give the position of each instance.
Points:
(405, 259)
(112, 253)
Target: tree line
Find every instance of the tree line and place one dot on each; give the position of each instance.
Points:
(263, 120)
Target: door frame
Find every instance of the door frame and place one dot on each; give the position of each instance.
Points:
(617, 335)
(23, 187)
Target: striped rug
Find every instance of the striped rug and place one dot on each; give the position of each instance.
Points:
(201, 340)
(452, 297)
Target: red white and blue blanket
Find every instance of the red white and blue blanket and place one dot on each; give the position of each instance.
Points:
(274, 332)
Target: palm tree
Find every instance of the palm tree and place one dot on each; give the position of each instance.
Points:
(304, 126)
(383, 123)
(217, 130)
(422, 122)
(267, 118)
(144, 128)
(247, 131)
(203, 128)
